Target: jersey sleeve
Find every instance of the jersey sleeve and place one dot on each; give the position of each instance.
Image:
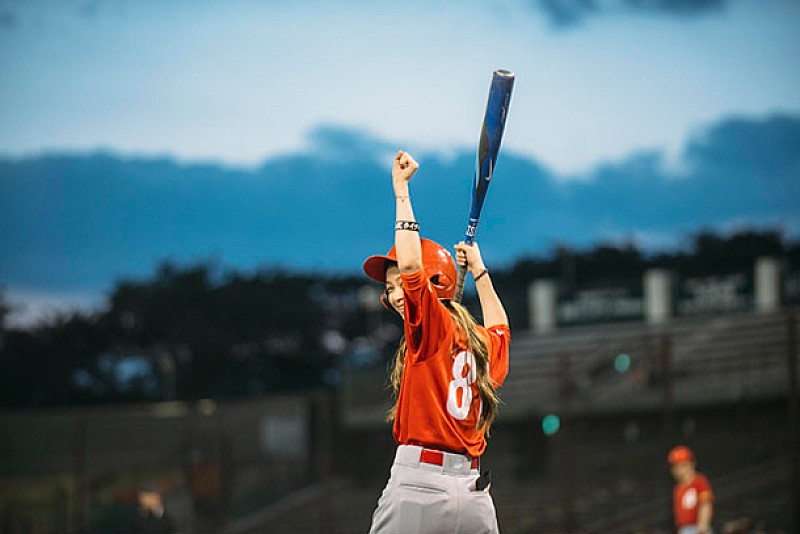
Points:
(499, 339)
(704, 493)
(426, 318)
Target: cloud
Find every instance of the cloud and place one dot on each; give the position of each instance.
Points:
(7, 19)
(82, 220)
(338, 142)
(571, 13)
(767, 148)
(12, 13)
(566, 13)
(677, 7)
(739, 169)
(89, 9)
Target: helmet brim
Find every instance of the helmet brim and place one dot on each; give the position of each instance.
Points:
(375, 267)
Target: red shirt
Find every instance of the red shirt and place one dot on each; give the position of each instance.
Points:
(438, 405)
(687, 497)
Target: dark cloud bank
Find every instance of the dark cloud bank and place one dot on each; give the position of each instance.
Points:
(81, 220)
(570, 13)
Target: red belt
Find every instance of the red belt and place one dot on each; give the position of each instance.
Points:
(429, 456)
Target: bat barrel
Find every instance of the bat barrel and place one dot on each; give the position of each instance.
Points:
(494, 122)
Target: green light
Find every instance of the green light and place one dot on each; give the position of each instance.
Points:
(622, 363)
(550, 424)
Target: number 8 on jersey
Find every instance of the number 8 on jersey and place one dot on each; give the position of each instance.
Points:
(458, 404)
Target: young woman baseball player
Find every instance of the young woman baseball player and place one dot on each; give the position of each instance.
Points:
(446, 371)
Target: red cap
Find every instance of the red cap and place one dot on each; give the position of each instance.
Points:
(681, 453)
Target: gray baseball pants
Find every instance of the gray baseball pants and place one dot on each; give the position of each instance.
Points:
(422, 498)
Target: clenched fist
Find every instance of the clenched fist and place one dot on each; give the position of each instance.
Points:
(404, 168)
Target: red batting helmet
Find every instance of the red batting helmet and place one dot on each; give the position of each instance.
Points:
(437, 262)
(679, 454)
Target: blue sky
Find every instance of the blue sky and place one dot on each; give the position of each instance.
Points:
(611, 96)
(241, 81)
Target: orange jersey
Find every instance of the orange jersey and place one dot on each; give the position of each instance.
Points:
(438, 404)
(687, 497)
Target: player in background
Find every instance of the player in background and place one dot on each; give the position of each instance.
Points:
(445, 375)
(692, 499)
(151, 516)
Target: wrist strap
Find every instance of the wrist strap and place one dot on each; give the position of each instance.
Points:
(412, 226)
(483, 273)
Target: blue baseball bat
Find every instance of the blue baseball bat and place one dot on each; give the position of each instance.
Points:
(494, 123)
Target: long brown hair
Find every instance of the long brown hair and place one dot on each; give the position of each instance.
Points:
(476, 344)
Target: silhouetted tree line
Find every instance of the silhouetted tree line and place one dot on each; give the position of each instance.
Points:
(196, 332)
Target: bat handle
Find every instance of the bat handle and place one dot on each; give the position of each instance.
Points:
(462, 275)
(462, 269)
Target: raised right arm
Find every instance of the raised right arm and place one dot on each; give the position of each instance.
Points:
(409, 248)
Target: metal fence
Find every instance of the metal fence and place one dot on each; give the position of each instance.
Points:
(78, 470)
